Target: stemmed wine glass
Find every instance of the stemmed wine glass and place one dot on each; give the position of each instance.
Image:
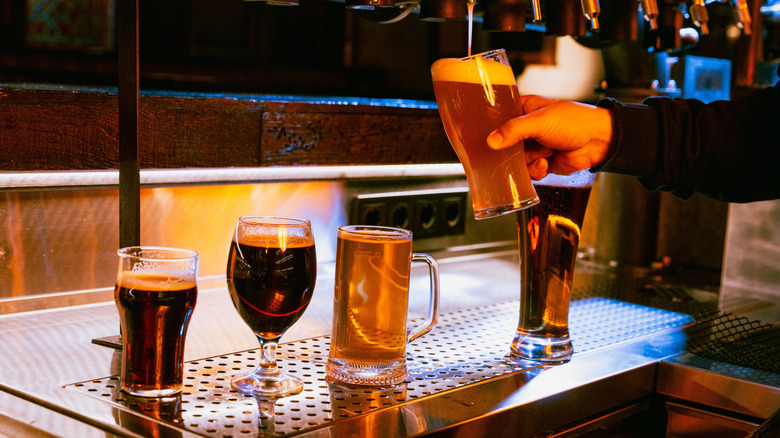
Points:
(271, 271)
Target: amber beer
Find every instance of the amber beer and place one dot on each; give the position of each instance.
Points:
(371, 294)
(475, 95)
(155, 311)
(549, 235)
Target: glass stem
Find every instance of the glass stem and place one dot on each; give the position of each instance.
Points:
(267, 363)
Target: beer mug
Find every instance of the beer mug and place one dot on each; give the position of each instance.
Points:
(371, 295)
(549, 234)
(475, 95)
(156, 291)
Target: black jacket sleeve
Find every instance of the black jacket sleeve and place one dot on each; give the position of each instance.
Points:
(727, 150)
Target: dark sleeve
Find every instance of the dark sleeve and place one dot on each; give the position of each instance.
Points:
(727, 150)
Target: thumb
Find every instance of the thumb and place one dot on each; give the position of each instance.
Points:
(513, 131)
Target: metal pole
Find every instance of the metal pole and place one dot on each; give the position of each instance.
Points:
(129, 175)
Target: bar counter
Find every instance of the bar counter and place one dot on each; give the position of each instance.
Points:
(54, 381)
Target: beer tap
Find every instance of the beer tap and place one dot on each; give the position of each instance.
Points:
(650, 12)
(591, 10)
(700, 16)
(536, 9)
(743, 15)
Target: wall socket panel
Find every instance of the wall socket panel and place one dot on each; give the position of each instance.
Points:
(426, 213)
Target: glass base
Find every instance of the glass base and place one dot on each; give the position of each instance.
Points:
(140, 391)
(372, 375)
(267, 384)
(531, 346)
(487, 213)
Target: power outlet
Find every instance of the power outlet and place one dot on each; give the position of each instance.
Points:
(426, 213)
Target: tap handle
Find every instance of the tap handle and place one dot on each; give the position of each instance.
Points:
(743, 15)
(650, 12)
(700, 16)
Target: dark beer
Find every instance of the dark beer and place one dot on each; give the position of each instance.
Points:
(155, 311)
(271, 282)
(553, 228)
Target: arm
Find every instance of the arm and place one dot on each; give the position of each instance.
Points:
(726, 150)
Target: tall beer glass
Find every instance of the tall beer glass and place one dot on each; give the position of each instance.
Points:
(476, 95)
(549, 234)
(156, 291)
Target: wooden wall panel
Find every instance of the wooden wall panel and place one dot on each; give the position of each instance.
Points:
(77, 130)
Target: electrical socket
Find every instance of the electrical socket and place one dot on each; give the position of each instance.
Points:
(426, 213)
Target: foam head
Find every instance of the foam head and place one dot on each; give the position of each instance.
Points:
(473, 70)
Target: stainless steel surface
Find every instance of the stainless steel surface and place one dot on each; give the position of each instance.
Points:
(720, 385)
(460, 372)
(462, 382)
(468, 346)
(684, 421)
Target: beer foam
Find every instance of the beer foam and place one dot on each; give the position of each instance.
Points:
(155, 281)
(583, 178)
(472, 70)
(275, 241)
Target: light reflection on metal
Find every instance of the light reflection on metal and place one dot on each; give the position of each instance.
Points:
(151, 177)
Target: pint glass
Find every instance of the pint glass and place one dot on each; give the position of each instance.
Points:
(548, 235)
(156, 291)
(371, 296)
(475, 95)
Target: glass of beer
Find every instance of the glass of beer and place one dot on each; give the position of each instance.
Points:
(156, 291)
(475, 95)
(371, 295)
(271, 271)
(549, 234)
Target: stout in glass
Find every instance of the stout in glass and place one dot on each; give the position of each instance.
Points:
(155, 293)
(271, 273)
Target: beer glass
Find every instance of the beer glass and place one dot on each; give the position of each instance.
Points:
(271, 271)
(548, 235)
(156, 291)
(371, 294)
(475, 95)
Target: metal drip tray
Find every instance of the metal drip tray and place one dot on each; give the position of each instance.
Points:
(467, 347)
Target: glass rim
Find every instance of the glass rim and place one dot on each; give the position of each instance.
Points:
(274, 221)
(485, 54)
(393, 233)
(177, 254)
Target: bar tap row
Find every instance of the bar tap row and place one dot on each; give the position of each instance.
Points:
(615, 20)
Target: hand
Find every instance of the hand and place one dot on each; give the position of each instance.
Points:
(566, 137)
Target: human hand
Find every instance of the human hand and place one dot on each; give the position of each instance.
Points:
(565, 137)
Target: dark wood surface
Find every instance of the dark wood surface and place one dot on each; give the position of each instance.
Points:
(64, 129)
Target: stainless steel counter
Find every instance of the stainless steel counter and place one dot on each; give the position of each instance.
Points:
(54, 380)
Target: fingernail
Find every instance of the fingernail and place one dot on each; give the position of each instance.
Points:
(494, 138)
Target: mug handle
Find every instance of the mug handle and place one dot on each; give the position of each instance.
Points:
(433, 307)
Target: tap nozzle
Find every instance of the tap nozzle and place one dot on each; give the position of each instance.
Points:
(591, 10)
(536, 8)
(650, 12)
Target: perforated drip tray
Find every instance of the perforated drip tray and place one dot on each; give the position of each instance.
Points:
(466, 347)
